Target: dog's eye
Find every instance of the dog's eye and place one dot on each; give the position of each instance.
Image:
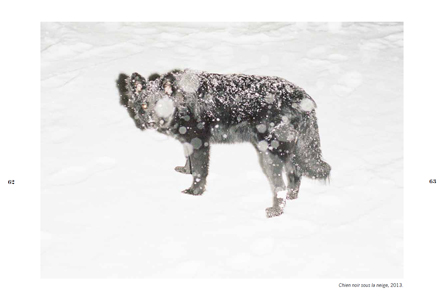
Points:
(144, 106)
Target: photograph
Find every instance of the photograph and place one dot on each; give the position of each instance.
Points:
(222, 150)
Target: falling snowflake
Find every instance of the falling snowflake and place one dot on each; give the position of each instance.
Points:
(275, 144)
(196, 142)
(164, 107)
(307, 104)
(262, 145)
(189, 82)
(261, 128)
(269, 99)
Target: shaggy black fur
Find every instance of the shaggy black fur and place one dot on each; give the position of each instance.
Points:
(200, 108)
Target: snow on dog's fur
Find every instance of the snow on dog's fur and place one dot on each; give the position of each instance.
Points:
(200, 108)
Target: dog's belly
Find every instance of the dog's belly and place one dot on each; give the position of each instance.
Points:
(222, 134)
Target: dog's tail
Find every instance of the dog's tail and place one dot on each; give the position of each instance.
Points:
(308, 156)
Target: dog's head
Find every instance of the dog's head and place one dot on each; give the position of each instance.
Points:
(152, 100)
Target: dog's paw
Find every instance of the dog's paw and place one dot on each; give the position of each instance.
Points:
(273, 211)
(194, 191)
(292, 194)
(182, 170)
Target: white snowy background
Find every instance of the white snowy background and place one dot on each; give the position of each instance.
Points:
(111, 202)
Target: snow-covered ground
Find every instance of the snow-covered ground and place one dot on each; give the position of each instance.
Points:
(111, 200)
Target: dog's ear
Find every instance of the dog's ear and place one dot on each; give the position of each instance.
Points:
(136, 83)
(153, 77)
(168, 87)
(168, 84)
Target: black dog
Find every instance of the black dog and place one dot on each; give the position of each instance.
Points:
(200, 108)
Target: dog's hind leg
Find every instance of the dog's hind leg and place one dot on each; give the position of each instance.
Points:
(272, 166)
(293, 180)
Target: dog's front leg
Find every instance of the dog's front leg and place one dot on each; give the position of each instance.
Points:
(185, 169)
(200, 159)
